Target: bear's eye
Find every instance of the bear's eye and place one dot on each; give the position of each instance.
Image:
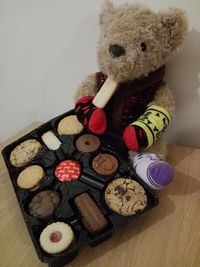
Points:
(143, 47)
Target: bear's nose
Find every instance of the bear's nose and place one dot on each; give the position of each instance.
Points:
(116, 50)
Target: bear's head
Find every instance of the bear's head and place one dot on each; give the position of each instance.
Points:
(135, 41)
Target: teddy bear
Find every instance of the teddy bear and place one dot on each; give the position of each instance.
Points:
(134, 46)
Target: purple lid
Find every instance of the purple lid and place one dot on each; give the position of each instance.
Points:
(160, 173)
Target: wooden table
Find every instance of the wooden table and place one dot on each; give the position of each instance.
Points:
(166, 236)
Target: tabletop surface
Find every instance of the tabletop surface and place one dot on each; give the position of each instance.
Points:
(166, 236)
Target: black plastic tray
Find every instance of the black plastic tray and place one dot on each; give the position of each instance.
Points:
(89, 181)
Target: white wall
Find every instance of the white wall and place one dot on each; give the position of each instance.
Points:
(48, 46)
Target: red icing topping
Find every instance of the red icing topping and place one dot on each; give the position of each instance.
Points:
(68, 170)
(56, 236)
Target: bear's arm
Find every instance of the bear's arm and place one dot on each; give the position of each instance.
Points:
(90, 116)
(88, 87)
(164, 98)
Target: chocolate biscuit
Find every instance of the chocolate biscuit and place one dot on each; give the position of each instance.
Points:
(44, 204)
(87, 143)
(105, 164)
(92, 218)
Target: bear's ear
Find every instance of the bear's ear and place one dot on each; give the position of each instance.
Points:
(175, 26)
(106, 12)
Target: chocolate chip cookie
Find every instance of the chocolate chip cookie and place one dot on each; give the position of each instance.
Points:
(125, 196)
(25, 152)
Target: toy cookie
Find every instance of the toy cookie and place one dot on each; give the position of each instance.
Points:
(31, 177)
(25, 152)
(87, 143)
(105, 164)
(68, 170)
(43, 204)
(69, 125)
(125, 196)
(56, 237)
(92, 218)
(51, 141)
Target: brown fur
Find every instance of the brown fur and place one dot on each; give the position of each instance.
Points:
(129, 25)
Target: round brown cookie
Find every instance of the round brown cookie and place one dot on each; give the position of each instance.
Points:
(105, 164)
(70, 125)
(44, 204)
(87, 143)
(56, 237)
(125, 196)
(30, 177)
(25, 152)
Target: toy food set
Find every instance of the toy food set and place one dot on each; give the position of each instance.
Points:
(73, 187)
